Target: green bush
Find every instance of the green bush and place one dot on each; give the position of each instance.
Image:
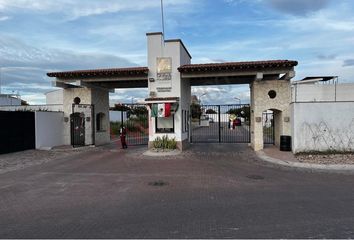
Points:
(165, 143)
(115, 128)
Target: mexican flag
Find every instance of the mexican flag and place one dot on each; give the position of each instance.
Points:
(161, 110)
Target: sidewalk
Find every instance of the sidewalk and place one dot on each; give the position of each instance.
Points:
(273, 155)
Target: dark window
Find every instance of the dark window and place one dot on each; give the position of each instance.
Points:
(77, 100)
(99, 122)
(272, 94)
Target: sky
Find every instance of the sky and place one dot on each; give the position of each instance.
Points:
(40, 36)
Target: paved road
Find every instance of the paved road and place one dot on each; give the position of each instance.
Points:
(211, 133)
(212, 191)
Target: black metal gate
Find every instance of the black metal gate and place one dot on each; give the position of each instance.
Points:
(220, 123)
(134, 117)
(17, 131)
(77, 123)
(268, 127)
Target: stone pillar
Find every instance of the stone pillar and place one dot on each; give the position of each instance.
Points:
(160, 87)
(280, 104)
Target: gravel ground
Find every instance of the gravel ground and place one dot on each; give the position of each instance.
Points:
(19, 160)
(326, 158)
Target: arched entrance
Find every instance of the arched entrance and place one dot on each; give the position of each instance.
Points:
(272, 126)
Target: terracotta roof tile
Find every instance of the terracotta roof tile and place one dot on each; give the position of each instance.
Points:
(108, 72)
(232, 66)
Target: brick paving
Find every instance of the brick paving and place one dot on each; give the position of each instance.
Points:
(211, 191)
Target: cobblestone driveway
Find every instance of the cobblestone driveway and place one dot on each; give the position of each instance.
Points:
(211, 191)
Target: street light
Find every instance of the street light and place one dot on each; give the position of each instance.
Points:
(199, 98)
(239, 100)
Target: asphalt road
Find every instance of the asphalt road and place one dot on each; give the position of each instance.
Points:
(210, 191)
(210, 134)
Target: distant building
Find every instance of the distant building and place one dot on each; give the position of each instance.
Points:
(10, 100)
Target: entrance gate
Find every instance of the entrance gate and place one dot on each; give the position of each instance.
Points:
(220, 123)
(134, 117)
(268, 128)
(17, 131)
(77, 122)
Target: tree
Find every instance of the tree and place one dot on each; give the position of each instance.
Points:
(24, 103)
(120, 107)
(240, 112)
(210, 111)
(138, 110)
(196, 110)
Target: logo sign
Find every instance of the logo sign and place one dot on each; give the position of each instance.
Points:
(164, 69)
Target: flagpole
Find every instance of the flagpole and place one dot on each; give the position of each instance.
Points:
(162, 19)
(163, 29)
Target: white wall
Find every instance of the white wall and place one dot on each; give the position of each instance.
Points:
(320, 92)
(54, 97)
(49, 129)
(157, 47)
(325, 126)
(52, 108)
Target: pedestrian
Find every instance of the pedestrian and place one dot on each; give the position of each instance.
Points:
(234, 123)
(123, 133)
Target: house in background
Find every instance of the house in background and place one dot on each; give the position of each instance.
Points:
(10, 100)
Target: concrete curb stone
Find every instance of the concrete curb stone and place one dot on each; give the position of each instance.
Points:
(312, 166)
(151, 153)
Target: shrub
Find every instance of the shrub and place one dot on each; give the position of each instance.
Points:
(165, 143)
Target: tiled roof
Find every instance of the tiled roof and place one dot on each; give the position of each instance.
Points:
(231, 66)
(109, 72)
(162, 99)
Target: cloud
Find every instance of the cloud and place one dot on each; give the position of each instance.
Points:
(74, 9)
(4, 18)
(348, 62)
(224, 94)
(24, 68)
(326, 57)
(298, 7)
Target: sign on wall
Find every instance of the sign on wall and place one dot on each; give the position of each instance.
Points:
(164, 74)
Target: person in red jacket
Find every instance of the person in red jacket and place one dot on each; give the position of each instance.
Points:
(123, 133)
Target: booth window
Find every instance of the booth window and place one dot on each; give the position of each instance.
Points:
(165, 124)
(99, 122)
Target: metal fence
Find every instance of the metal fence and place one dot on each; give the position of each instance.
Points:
(220, 123)
(268, 128)
(134, 117)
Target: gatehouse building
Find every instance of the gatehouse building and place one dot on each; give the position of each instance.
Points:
(169, 76)
(313, 115)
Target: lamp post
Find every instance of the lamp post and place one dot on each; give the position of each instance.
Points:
(199, 98)
(239, 100)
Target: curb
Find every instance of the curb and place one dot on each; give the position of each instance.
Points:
(161, 154)
(312, 166)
